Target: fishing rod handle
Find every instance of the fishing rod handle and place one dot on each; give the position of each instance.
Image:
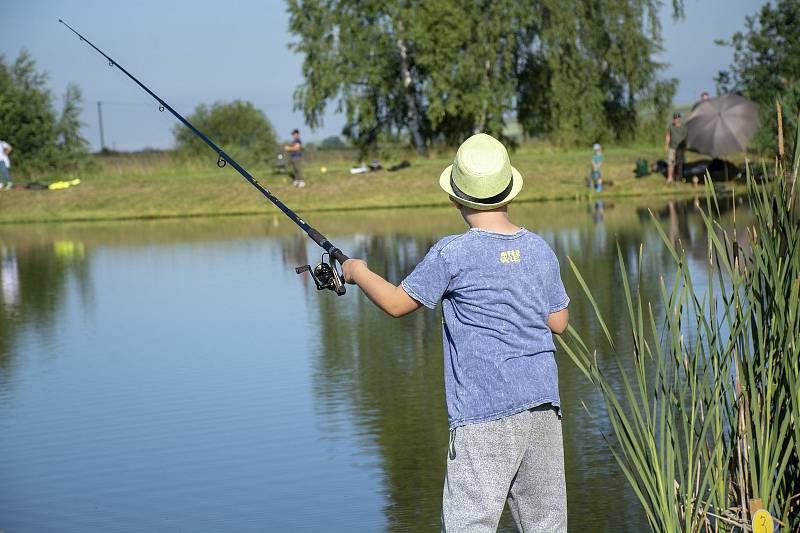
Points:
(327, 245)
(338, 255)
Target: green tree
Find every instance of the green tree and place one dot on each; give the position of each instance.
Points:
(27, 120)
(766, 67)
(42, 140)
(239, 128)
(71, 144)
(441, 69)
(588, 72)
(360, 54)
(334, 142)
(469, 55)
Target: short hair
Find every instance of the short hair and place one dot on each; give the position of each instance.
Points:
(295, 131)
(676, 115)
(704, 93)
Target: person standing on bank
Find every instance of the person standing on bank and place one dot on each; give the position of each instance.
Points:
(675, 144)
(5, 164)
(704, 97)
(502, 300)
(597, 167)
(295, 150)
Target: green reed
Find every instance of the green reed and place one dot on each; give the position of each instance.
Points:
(706, 421)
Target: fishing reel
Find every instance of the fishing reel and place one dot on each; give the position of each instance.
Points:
(325, 275)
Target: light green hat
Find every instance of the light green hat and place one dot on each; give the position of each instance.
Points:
(481, 176)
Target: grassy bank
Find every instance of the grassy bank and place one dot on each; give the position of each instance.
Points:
(156, 186)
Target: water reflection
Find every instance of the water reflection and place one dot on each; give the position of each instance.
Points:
(9, 277)
(388, 374)
(34, 276)
(352, 400)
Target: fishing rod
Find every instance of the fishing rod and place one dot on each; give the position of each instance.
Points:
(325, 275)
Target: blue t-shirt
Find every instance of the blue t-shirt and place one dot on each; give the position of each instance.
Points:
(299, 153)
(497, 292)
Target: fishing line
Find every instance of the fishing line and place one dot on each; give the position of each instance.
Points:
(325, 275)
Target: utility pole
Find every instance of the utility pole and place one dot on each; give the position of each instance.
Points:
(100, 120)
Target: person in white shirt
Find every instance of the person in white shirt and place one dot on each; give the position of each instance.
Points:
(5, 164)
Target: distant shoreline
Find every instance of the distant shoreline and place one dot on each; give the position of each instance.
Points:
(149, 187)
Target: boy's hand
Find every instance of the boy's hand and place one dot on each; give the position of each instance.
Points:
(350, 267)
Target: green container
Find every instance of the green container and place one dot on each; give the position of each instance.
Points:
(642, 168)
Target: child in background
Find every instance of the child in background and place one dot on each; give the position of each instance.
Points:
(502, 299)
(597, 166)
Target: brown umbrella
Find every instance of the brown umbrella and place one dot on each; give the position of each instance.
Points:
(722, 125)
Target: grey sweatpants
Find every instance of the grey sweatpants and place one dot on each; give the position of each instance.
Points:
(519, 458)
(297, 168)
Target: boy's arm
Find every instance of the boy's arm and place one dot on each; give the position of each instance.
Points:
(558, 321)
(392, 299)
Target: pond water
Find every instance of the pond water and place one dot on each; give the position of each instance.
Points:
(178, 375)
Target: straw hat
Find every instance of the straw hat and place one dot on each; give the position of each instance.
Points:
(481, 176)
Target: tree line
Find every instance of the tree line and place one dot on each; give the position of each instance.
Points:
(574, 70)
(47, 140)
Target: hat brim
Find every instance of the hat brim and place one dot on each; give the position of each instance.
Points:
(444, 183)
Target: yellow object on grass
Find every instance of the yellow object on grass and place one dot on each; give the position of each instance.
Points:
(56, 185)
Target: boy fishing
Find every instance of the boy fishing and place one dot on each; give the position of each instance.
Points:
(502, 298)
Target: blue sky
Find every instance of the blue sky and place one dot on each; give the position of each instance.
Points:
(198, 51)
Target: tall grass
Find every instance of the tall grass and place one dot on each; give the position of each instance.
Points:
(705, 420)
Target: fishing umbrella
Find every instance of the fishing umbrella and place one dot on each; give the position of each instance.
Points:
(722, 125)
